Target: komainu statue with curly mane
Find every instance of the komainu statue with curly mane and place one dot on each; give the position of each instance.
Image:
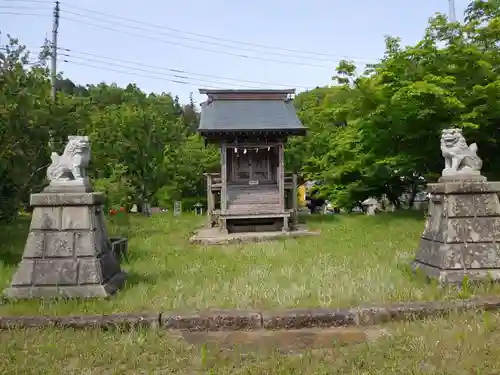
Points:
(460, 160)
(70, 168)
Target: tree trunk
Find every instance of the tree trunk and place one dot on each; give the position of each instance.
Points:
(411, 201)
(395, 201)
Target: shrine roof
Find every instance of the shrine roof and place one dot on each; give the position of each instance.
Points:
(249, 110)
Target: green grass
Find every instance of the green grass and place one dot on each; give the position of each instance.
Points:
(356, 259)
(461, 345)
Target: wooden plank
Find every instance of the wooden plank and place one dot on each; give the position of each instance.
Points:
(294, 201)
(223, 162)
(210, 201)
(255, 216)
(281, 175)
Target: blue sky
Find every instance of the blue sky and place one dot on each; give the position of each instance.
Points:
(323, 31)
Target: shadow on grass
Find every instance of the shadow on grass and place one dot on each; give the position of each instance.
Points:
(144, 233)
(319, 218)
(416, 215)
(12, 240)
(134, 278)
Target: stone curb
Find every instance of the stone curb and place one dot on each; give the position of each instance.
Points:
(240, 320)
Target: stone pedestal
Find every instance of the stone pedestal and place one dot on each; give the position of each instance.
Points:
(67, 253)
(462, 232)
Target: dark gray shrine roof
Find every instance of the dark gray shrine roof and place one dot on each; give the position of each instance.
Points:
(249, 110)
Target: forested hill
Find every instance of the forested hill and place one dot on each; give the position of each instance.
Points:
(371, 133)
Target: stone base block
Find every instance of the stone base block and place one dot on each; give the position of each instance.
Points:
(69, 291)
(69, 198)
(67, 253)
(462, 178)
(456, 276)
(462, 233)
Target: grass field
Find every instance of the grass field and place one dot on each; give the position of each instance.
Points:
(356, 259)
(461, 345)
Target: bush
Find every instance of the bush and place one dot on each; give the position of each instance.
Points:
(118, 191)
(119, 222)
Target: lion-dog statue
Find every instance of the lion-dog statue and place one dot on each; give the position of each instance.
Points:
(459, 159)
(72, 164)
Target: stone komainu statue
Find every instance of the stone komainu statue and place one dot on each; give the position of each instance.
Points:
(72, 164)
(459, 159)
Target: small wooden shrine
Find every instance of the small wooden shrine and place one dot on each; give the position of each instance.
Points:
(252, 191)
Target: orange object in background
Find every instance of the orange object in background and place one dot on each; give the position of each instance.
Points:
(302, 195)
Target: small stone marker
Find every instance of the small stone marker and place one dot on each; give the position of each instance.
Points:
(371, 206)
(462, 233)
(67, 252)
(198, 209)
(177, 208)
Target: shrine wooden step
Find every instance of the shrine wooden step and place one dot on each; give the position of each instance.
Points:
(258, 209)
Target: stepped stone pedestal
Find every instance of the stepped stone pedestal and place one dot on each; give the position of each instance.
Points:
(67, 253)
(462, 233)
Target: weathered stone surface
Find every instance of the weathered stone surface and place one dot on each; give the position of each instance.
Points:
(370, 315)
(55, 271)
(46, 218)
(67, 252)
(66, 199)
(297, 319)
(69, 170)
(237, 320)
(59, 244)
(464, 187)
(125, 321)
(86, 243)
(462, 233)
(73, 291)
(447, 276)
(213, 236)
(24, 273)
(473, 229)
(78, 217)
(215, 320)
(35, 245)
(460, 160)
(89, 271)
(458, 256)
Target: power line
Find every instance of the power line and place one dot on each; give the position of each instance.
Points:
(178, 71)
(24, 14)
(30, 1)
(196, 47)
(163, 27)
(21, 8)
(197, 40)
(274, 49)
(184, 82)
(142, 70)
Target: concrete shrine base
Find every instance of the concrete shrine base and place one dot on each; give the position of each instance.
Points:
(67, 252)
(214, 236)
(461, 239)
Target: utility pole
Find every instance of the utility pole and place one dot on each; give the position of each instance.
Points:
(55, 27)
(451, 13)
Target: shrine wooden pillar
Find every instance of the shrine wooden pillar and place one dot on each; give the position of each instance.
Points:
(223, 189)
(210, 201)
(281, 176)
(295, 217)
